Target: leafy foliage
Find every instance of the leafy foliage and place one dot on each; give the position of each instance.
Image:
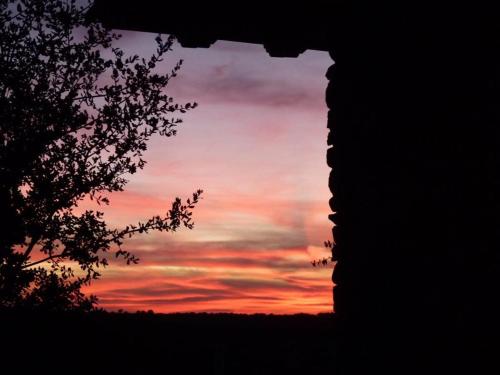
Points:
(75, 118)
(325, 260)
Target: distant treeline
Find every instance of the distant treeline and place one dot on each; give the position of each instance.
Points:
(183, 343)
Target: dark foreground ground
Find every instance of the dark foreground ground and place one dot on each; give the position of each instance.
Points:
(112, 343)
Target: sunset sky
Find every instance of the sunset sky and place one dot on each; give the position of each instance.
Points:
(256, 145)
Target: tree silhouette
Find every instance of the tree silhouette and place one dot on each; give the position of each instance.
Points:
(75, 118)
(325, 260)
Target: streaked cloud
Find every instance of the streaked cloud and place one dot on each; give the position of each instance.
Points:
(257, 146)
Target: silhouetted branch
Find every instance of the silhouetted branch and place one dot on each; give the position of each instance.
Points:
(325, 260)
(51, 257)
(31, 246)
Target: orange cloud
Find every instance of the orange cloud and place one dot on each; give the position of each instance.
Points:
(257, 147)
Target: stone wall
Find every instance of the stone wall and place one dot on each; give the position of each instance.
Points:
(414, 134)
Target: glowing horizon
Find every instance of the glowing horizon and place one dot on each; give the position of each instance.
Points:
(256, 145)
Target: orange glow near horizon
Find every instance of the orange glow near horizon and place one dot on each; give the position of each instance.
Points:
(256, 145)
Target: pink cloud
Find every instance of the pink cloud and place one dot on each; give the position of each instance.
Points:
(257, 146)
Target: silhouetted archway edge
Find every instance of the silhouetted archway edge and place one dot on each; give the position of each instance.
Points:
(414, 133)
